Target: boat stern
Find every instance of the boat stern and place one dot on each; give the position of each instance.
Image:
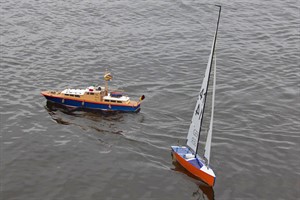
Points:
(50, 93)
(194, 164)
(53, 96)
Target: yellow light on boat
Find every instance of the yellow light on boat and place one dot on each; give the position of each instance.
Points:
(107, 76)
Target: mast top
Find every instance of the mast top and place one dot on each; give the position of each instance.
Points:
(107, 77)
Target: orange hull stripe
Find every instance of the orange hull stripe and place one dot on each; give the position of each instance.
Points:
(210, 180)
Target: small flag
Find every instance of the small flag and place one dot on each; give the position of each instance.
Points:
(142, 97)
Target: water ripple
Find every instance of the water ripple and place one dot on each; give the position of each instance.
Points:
(159, 49)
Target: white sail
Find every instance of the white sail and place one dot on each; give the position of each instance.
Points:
(209, 135)
(194, 130)
(195, 127)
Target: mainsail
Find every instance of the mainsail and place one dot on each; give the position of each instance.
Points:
(195, 127)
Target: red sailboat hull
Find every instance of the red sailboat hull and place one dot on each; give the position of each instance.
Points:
(194, 165)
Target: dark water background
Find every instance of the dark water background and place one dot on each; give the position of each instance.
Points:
(160, 49)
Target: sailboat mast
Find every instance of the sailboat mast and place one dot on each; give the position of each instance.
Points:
(211, 61)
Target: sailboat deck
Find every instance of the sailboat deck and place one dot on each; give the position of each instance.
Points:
(196, 162)
(187, 154)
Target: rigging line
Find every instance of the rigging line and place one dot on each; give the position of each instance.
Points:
(207, 148)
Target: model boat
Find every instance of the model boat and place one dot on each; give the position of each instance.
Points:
(94, 97)
(187, 155)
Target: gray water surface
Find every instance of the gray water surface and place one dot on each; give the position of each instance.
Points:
(159, 49)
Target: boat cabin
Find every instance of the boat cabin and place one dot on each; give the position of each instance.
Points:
(97, 94)
(113, 99)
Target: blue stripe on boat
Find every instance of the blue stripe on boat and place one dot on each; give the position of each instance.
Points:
(76, 103)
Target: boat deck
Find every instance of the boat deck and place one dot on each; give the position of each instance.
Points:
(188, 155)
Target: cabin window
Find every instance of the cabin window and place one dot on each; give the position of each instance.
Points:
(72, 95)
(119, 101)
(77, 96)
(106, 100)
(113, 101)
(66, 94)
(91, 93)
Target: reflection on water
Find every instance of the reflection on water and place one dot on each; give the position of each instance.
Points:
(51, 106)
(65, 115)
(204, 191)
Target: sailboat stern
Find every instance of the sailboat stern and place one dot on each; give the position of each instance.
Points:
(193, 164)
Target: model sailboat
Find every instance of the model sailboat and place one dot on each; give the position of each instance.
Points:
(187, 155)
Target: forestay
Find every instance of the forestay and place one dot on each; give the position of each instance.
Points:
(209, 135)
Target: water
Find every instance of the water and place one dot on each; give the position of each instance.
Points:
(160, 49)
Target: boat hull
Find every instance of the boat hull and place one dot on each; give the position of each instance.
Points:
(93, 105)
(193, 164)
